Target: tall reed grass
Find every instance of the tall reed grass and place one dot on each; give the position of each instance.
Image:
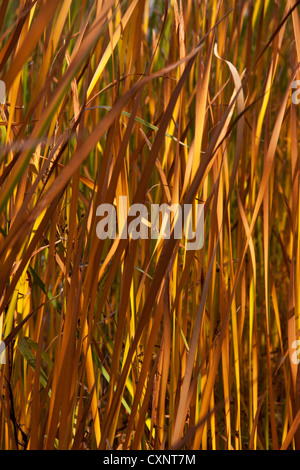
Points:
(143, 344)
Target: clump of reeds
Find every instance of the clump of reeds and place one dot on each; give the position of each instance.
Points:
(143, 344)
